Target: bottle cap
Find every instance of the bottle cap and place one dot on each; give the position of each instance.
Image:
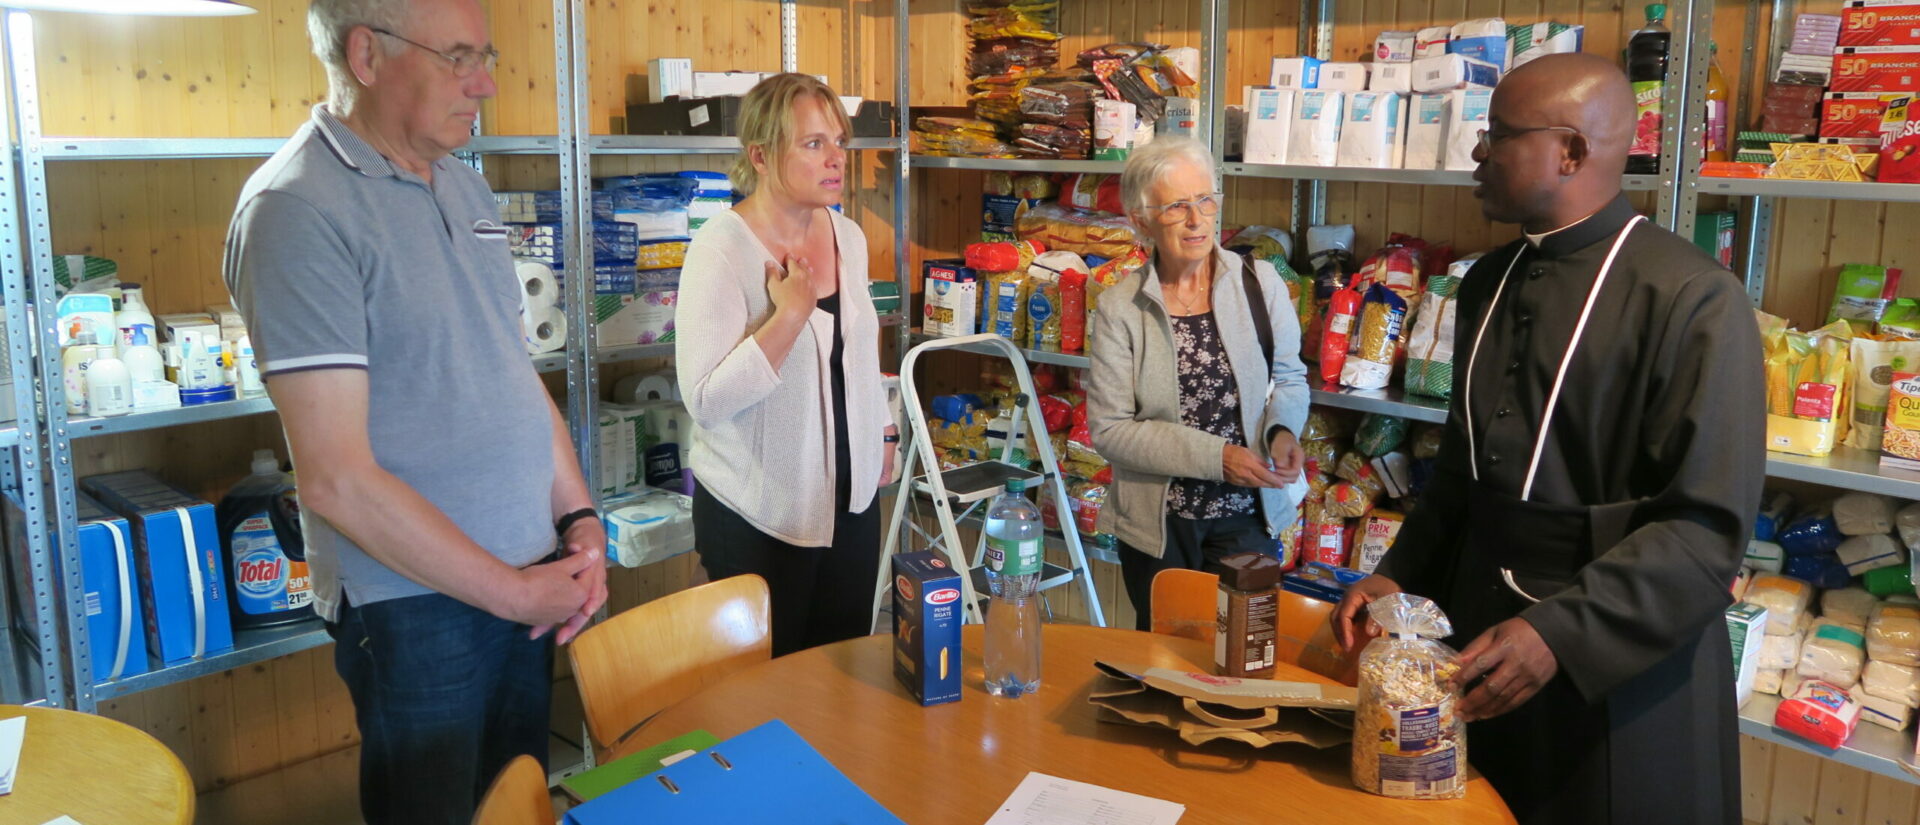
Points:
(1016, 485)
(1656, 11)
(264, 462)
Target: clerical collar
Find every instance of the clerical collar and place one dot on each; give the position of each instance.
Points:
(1595, 228)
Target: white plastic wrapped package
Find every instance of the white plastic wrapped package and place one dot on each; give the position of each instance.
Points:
(1768, 681)
(1890, 681)
(1804, 622)
(1784, 598)
(1850, 606)
(1314, 137)
(1863, 514)
(1765, 555)
(1863, 553)
(1780, 651)
(1405, 686)
(1832, 653)
(1431, 41)
(1893, 635)
(1907, 521)
(1882, 711)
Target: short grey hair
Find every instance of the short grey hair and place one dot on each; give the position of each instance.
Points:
(329, 22)
(1147, 164)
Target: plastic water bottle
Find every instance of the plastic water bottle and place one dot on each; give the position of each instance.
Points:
(1014, 540)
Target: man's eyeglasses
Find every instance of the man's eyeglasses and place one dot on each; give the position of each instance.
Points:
(465, 62)
(1489, 137)
(1180, 211)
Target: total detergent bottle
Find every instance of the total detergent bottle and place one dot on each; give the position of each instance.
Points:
(259, 523)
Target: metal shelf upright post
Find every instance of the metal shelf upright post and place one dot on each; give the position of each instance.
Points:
(22, 469)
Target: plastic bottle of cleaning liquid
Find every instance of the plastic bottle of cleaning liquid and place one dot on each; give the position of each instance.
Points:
(259, 522)
(133, 318)
(1718, 143)
(142, 359)
(1647, 68)
(73, 371)
(1014, 538)
(109, 386)
(250, 383)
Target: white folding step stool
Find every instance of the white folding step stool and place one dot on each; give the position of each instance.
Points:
(975, 485)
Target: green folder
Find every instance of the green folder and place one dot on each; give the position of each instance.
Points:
(606, 778)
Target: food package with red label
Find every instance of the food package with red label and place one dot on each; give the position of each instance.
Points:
(1900, 142)
(1876, 69)
(1821, 712)
(1092, 193)
(1343, 314)
(1879, 24)
(1853, 114)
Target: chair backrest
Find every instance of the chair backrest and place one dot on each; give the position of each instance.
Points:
(1184, 602)
(518, 796)
(652, 656)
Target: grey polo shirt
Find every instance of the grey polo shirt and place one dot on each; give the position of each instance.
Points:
(340, 260)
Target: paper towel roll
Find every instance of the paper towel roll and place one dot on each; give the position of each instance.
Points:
(545, 330)
(538, 288)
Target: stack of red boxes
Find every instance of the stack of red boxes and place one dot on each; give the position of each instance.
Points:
(1876, 66)
(1792, 102)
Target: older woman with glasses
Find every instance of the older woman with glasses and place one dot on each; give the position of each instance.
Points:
(1197, 389)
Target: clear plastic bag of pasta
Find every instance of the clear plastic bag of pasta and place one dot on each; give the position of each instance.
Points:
(1409, 741)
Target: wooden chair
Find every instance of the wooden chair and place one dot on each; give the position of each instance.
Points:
(647, 658)
(518, 796)
(1184, 605)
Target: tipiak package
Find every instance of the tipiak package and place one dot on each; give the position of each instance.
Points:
(1203, 707)
(177, 556)
(926, 626)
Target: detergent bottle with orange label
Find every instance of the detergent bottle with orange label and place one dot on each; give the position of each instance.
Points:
(259, 521)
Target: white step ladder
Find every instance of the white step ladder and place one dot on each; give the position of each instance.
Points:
(975, 485)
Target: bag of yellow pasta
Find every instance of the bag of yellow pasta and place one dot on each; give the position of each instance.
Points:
(1382, 339)
(1409, 741)
(1808, 399)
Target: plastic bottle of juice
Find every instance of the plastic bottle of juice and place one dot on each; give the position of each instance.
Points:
(1718, 132)
(1647, 69)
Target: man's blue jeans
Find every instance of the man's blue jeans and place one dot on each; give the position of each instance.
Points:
(446, 695)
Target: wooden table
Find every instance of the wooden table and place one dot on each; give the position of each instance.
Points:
(96, 770)
(955, 763)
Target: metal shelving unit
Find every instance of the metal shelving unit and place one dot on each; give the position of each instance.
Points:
(1815, 189)
(699, 145)
(1110, 167)
(249, 647)
(1846, 468)
(1872, 748)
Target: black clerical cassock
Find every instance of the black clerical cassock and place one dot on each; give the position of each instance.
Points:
(1606, 497)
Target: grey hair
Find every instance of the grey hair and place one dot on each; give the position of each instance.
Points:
(1148, 163)
(329, 22)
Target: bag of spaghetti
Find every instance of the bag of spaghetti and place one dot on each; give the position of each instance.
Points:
(1383, 320)
(1874, 364)
(1430, 346)
(1807, 386)
(1409, 741)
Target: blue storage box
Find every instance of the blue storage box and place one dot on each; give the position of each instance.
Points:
(178, 560)
(115, 627)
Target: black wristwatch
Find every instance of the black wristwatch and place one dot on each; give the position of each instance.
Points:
(890, 439)
(560, 527)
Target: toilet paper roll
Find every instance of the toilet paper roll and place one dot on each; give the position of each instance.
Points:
(538, 288)
(639, 389)
(545, 330)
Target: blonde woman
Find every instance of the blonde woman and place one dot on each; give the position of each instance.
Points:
(1197, 390)
(779, 365)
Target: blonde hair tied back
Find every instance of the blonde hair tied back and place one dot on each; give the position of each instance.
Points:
(767, 120)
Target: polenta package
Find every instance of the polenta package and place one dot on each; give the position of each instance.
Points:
(1808, 402)
(1409, 741)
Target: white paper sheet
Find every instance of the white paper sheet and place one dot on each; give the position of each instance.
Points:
(1050, 800)
(13, 733)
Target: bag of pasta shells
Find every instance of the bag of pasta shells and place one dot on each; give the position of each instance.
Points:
(1409, 741)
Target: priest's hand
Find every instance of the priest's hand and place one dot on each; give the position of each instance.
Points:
(1350, 618)
(1515, 663)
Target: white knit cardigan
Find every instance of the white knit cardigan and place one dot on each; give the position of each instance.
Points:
(763, 433)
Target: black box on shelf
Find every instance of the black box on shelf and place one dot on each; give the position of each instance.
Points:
(720, 117)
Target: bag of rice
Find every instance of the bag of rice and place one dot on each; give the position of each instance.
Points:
(1764, 555)
(1890, 681)
(1430, 345)
(1790, 680)
(1863, 514)
(1907, 521)
(1767, 680)
(1785, 599)
(1409, 739)
(1893, 635)
(1848, 606)
(1883, 712)
(1863, 553)
(1774, 510)
(1779, 651)
(1811, 533)
(1832, 653)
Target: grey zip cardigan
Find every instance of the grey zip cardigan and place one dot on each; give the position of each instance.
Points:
(1133, 396)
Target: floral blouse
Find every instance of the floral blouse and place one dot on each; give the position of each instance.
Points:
(1208, 402)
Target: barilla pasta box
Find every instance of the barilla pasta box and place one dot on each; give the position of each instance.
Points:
(926, 626)
(1867, 23)
(177, 560)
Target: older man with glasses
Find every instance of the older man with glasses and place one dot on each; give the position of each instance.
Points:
(1197, 391)
(447, 524)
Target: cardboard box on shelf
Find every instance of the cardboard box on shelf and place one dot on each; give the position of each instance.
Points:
(1269, 123)
(1371, 136)
(1314, 137)
(1880, 24)
(1876, 69)
(1853, 114)
(669, 77)
(177, 552)
(1427, 132)
(1295, 73)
